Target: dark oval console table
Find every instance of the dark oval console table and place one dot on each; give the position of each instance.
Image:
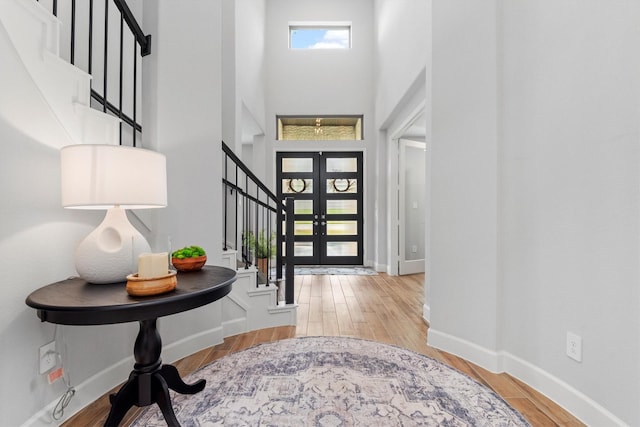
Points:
(76, 302)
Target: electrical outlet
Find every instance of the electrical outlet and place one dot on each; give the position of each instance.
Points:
(47, 357)
(414, 249)
(574, 346)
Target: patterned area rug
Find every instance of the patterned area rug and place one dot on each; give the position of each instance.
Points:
(334, 381)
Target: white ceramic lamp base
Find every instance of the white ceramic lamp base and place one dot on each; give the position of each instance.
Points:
(111, 251)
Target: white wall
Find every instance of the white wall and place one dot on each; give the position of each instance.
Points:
(250, 72)
(323, 82)
(570, 198)
(38, 237)
(402, 47)
(402, 50)
(464, 242)
(535, 195)
(37, 242)
(184, 123)
(250, 60)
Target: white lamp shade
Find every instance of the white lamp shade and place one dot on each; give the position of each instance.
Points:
(103, 176)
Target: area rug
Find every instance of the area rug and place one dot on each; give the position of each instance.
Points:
(334, 381)
(360, 271)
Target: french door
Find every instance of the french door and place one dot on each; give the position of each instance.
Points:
(327, 193)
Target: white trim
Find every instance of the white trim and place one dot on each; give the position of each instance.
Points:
(192, 344)
(86, 393)
(571, 399)
(95, 387)
(426, 313)
(234, 326)
(577, 403)
(381, 268)
(466, 349)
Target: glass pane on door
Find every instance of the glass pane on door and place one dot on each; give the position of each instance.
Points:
(297, 186)
(342, 207)
(303, 207)
(303, 228)
(342, 164)
(342, 228)
(303, 249)
(342, 249)
(342, 185)
(295, 164)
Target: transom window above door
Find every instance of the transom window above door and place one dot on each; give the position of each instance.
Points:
(320, 35)
(319, 128)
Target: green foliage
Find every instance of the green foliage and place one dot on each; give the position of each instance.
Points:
(261, 247)
(188, 252)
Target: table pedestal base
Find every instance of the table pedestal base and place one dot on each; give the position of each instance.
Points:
(150, 381)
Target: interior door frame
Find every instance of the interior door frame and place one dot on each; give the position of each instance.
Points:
(407, 266)
(362, 173)
(393, 151)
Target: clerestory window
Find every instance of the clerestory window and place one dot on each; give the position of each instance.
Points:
(319, 128)
(320, 35)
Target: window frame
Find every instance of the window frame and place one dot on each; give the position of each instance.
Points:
(321, 25)
(359, 124)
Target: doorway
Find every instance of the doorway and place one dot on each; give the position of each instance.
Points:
(411, 206)
(328, 205)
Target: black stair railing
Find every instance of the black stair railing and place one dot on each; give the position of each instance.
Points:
(108, 43)
(253, 221)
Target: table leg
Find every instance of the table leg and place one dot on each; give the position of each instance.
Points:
(150, 381)
(171, 376)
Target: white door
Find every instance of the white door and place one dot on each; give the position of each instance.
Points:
(411, 206)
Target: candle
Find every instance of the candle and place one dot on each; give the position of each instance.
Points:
(153, 265)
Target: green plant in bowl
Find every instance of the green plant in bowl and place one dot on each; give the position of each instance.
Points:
(189, 258)
(188, 252)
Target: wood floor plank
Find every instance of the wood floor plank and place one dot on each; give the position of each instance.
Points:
(383, 308)
(344, 319)
(302, 319)
(354, 309)
(315, 309)
(330, 326)
(532, 413)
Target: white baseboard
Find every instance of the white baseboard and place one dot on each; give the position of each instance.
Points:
(426, 313)
(86, 393)
(381, 268)
(96, 386)
(467, 350)
(192, 344)
(577, 403)
(234, 327)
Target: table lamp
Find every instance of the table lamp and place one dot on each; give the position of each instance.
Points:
(114, 178)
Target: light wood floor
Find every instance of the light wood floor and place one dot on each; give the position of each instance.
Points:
(382, 308)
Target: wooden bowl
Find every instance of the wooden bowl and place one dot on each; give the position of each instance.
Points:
(189, 264)
(139, 287)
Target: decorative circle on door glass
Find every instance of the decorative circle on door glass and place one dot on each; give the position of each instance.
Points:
(341, 185)
(297, 185)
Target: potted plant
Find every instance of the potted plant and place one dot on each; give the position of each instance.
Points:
(262, 247)
(189, 258)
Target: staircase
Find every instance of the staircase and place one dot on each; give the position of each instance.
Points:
(61, 92)
(50, 99)
(250, 305)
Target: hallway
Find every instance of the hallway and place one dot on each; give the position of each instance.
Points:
(381, 308)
